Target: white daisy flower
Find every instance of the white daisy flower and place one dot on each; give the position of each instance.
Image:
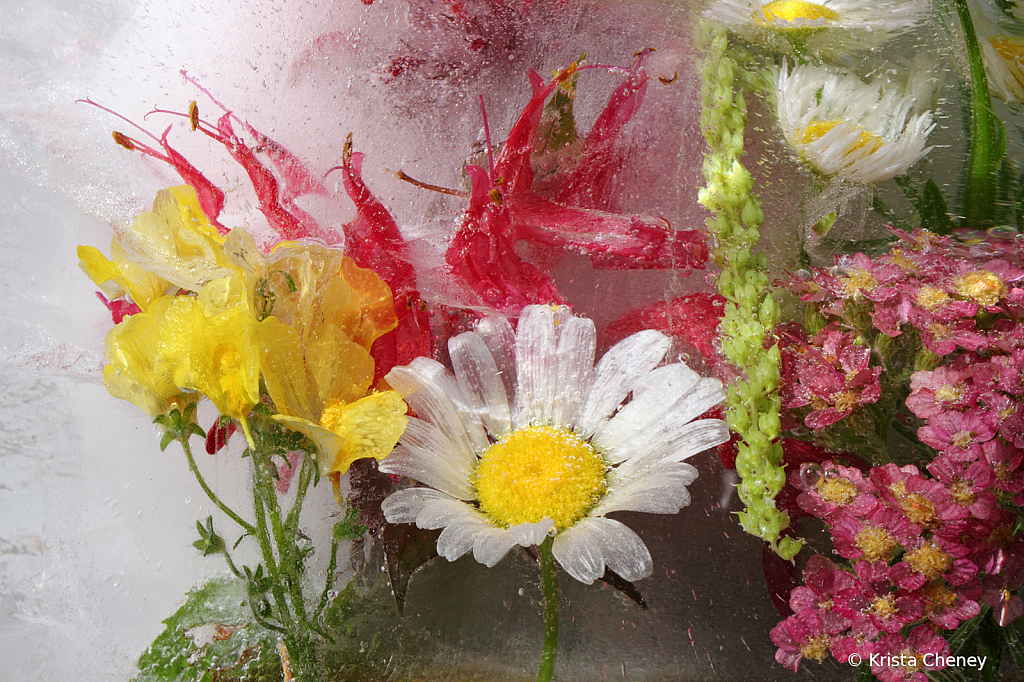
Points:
(865, 15)
(528, 439)
(843, 126)
(1002, 51)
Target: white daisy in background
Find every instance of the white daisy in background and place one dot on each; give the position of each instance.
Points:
(528, 439)
(1002, 51)
(844, 127)
(787, 15)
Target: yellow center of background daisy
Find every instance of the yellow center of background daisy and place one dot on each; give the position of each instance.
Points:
(815, 130)
(1008, 48)
(797, 10)
(537, 472)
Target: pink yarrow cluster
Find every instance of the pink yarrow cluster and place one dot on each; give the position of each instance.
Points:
(926, 546)
(919, 558)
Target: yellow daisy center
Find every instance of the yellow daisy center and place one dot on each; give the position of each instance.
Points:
(795, 10)
(1008, 48)
(815, 130)
(537, 472)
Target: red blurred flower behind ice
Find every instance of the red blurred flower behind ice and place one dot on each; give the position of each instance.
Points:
(504, 208)
(888, 611)
(947, 607)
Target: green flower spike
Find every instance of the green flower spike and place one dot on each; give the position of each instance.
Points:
(752, 403)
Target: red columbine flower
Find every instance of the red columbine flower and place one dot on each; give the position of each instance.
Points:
(800, 636)
(505, 208)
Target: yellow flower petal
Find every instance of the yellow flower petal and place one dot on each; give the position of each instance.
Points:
(369, 427)
(119, 276)
(176, 241)
(216, 355)
(139, 371)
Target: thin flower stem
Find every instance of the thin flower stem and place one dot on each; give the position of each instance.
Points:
(980, 189)
(231, 564)
(263, 537)
(329, 582)
(246, 526)
(305, 476)
(549, 585)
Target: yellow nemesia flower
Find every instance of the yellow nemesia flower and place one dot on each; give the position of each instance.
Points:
(368, 427)
(216, 354)
(327, 312)
(119, 276)
(139, 371)
(176, 241)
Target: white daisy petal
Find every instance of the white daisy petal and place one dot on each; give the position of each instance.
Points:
(491, 546)
(659, 489)
(564, 399)
(536, 366)
(585, 549)
(480, 381)
(847, 128)
(497, 333)
(425, 454)
(405, 506)
(669, 439)
(622, 367)
(458, 538)
(434, 395)
(865, 15)
(529, 534)
(577, 344)
(652, 397)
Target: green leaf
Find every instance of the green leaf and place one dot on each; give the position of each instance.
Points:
(349, 528)
(209, 542)
(933, 210)
(212, 636)
(406, 548)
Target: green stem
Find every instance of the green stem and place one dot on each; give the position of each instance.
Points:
(980, 189)
(246, 526)
(231, 564)
(329, 582)
(263, 537)
(549, 585)
(305, 476)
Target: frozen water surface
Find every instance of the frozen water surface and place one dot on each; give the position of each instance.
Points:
(96, 524)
